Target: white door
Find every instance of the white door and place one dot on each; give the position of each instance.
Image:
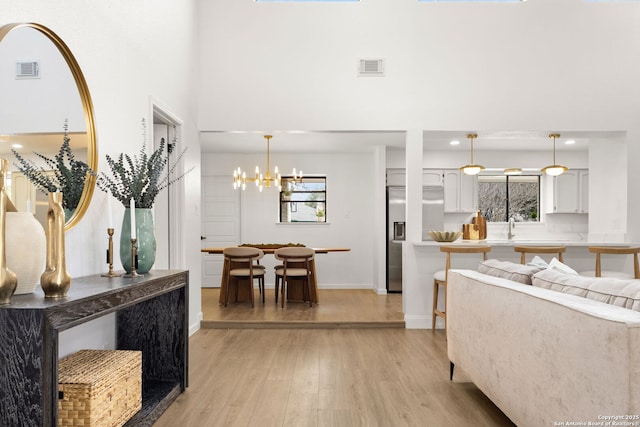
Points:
(220, 224)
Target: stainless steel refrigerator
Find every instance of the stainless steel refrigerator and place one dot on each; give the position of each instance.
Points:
(432, 219)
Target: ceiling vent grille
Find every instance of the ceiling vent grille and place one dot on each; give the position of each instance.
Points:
(27, 70)
(371, 67)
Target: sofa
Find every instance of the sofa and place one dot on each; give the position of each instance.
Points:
(544, 356)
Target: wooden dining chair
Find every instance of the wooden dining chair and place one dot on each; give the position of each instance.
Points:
(296, 265)
(614, 250)
(538, 250)
(440, 277)
(240, 264)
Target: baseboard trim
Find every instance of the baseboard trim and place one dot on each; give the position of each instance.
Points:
(417, 321)
(233, 324)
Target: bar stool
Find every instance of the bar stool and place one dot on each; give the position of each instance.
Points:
(539, 250)
(440, 277)
(239, 261)
(614, 250)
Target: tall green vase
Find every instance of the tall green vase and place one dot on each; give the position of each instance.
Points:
(146, 240)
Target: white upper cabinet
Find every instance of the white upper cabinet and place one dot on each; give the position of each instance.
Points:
(571, 192)
(460, 191)
(432, 177)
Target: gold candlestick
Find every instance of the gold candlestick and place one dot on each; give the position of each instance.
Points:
(134, 248)
(110, 273)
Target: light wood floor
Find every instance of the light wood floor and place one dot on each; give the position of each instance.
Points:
(323, 377)
(344, 308)
(326, 377)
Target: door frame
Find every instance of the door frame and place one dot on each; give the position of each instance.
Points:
(162, 115)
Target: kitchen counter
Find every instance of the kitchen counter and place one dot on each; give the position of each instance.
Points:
(522, 242)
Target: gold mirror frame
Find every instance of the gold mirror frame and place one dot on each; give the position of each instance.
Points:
(87, 107)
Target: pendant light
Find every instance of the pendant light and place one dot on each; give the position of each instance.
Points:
(240, 177)
(513, 171)
(472, 168)
(554, 169)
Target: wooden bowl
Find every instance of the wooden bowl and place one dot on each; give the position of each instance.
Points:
(445, 236)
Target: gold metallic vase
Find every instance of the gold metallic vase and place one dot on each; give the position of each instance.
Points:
(8, 280)
(55, 280)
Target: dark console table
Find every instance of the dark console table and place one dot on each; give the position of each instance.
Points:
(151, 316)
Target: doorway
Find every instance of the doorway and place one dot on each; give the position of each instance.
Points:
(167, 209)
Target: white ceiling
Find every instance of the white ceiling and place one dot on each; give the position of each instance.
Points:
(360, 141)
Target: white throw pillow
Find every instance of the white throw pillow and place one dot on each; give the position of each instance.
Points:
(621, 293)
(563, 268)
(508, 270)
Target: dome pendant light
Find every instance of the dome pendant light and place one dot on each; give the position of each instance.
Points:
(472, 168)
(554, 169)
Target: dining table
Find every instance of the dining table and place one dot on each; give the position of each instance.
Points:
(295, 293)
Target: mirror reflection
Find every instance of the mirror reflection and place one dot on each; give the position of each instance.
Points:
(43, 89)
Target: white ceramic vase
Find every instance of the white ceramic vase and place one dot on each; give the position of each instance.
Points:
(26, 250)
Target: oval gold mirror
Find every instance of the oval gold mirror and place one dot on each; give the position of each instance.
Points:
(45, 92)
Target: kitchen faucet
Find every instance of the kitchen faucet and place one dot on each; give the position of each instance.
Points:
(512, 225)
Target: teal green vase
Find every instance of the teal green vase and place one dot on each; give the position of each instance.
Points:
(146, 240)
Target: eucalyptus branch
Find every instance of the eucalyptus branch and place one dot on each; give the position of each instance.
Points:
(62, 173)
(141, 176)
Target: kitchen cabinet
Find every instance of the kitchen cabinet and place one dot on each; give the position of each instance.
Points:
(460, 191)
(432, 177)
(571, 192)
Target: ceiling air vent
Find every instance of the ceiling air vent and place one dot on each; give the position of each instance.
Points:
(371, 67)
(27, 70)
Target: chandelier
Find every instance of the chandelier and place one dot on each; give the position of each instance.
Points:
(554, 169)
(472, 168)
(240, 177)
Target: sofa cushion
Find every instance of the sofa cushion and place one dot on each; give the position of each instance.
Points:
(508, 270)
(618, 292)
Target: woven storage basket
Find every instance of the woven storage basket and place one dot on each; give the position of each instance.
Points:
(99, 388)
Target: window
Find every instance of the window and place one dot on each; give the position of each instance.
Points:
(304, 201)
(502, 197)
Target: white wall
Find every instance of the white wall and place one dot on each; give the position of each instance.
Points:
(544, 65)
(350, 212)
(128, 52)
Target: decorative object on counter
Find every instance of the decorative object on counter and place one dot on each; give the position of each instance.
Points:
(63, 173)
(133, 262)
(481, 222)
(26, 249)
(240, 177)
(471, 168)
(8, 279)
(445, 236)
(55, 280)
(272, 245)
(110, 273)
(554, 169)
(470, 232)
(136, 181)
(138, 224)
(477, 230)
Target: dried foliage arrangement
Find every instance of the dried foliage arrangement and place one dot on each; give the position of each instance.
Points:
(140, 177)
(62, 173)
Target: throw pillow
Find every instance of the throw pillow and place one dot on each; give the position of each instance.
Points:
(508, 270)
(619, 292)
